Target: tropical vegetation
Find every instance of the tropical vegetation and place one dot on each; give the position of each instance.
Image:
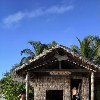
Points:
(89, 48)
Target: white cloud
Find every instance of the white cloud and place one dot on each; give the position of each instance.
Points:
(17, 17)
(11, 19)
(59, 9)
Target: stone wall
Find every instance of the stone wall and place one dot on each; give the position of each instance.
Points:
(85, 88)
(41, 84)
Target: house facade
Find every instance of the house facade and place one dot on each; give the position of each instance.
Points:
(60, 74)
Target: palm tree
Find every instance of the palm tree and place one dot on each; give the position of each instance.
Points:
(96, 46)
(37, 48)
(86, 48)
(89, 48)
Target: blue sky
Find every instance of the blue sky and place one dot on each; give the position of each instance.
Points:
(45, 21)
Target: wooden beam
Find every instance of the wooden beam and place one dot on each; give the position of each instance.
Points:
(71, 70)
(60, 73)
(92, 86)
(59, 64)
(27, 86)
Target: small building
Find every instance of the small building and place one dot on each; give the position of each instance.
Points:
(54, 73)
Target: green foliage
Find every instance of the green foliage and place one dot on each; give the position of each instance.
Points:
(96, 47)
(86, 47)
(37, 48)
(28, 52)
(52, 44)
(75, 48)
(11, 89)
(89, 48)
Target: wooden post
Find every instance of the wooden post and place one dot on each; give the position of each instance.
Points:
(92, 86)
(27, 86)
(59, 64)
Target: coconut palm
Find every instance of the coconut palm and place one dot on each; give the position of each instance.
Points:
(96, 46)
(89, 48)
(86, 48)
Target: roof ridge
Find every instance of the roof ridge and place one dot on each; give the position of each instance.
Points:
(67, 50)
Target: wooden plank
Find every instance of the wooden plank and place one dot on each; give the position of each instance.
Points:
(92, 86)
(27, 86)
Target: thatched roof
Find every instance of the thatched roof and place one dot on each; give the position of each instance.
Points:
(76, 58)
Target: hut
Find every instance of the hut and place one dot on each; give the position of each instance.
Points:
(54, 73)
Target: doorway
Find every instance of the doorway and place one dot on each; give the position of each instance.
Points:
(54, 95)
(76, 89)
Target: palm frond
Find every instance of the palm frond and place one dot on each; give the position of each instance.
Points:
(27, 51)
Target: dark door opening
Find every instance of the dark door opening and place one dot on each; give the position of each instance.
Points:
(54, 95)
(76, 86)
